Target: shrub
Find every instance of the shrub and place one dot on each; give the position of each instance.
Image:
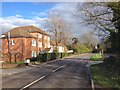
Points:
(53, 56)
(96, 57)
(33, 59)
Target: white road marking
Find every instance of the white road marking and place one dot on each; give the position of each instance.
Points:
(40, 78)
(58, 68)
(33, 82)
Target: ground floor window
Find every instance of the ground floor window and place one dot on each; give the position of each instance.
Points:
(33, 53)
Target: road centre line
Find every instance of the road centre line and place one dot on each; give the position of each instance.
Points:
(58, 68)
(33, 82)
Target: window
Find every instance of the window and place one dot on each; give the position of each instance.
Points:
(13, 42)
(33, 53)
(39, 35)
(40, 44)
(33, 42)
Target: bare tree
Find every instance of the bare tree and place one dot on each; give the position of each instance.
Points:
(58, 29)
(105, 18)
(89, 39)
(97, 14)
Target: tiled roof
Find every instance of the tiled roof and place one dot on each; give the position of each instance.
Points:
(25, 31)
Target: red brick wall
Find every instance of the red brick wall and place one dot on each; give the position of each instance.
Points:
(23, 46)
(15, 50)
(29, 48)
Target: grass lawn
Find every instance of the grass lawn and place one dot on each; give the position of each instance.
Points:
(105, 77)
(96, 57)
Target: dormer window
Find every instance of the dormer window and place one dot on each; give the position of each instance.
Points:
(13, 42)
(33, 42)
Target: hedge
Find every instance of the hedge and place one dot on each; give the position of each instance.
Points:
(48, 56)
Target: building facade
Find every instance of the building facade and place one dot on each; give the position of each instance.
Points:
(23, 42)
(61, 47)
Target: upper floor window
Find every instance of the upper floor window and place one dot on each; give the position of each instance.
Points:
(13, 42)
(33, 42)
(39, 35)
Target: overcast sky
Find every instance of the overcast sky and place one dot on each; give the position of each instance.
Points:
(16, 14)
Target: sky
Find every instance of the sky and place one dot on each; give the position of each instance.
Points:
(15, 14)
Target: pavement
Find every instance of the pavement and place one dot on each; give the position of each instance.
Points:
(70, 72)
(6, 72)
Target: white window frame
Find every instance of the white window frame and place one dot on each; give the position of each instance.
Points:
(34, 54)
(40, 44)
(13, 42)
(33, 42)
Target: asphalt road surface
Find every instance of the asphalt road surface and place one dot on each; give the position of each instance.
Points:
(72, 72)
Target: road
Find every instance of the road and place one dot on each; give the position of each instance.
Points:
(71, 72)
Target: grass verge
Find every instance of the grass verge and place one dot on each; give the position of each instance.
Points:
(105, 77)
(96, 57)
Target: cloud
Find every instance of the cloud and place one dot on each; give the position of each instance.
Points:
(68, 11)
(10, 22)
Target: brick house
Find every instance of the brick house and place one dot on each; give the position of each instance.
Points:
(24, 42)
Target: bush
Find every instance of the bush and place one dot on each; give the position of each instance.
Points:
(53, 56)
(96, 57)
(33, 59)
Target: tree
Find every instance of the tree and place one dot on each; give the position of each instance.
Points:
(105, 16)
(58, 29)
(88, 39)
(75, 41)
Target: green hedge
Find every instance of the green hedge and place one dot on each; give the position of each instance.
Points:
(48, 56)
